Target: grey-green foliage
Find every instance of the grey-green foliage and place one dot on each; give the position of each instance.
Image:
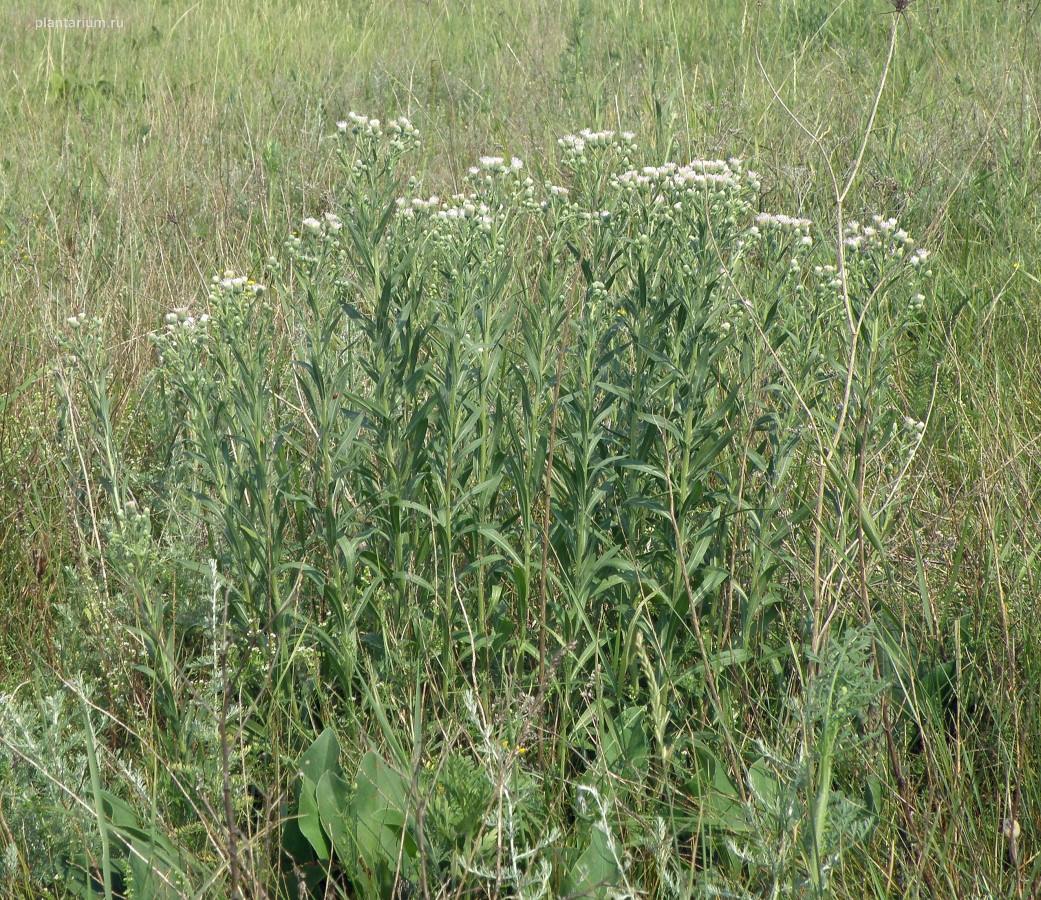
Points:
(43, 769)
(72, 831)
(809, 808)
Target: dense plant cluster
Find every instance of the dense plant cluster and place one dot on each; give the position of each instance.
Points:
(526, 542)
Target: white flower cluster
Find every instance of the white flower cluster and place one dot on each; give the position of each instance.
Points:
(181, 332)
(358, 124)
(306, 247)
(497, 165)
(238, 307)
(917, 259)
(913, 427)
(500, 184)
(237, 284)
(182, 341)
(714, 174)
(497, 188)
(418, 205)
(779, 223)
(459, 208)
(829, 276)
(881, 244)
(882, 236)
(573, 147)
(672, 191)
(84, 346)
(329, 223)
(180, 318)
(86, 332)
(402, 134)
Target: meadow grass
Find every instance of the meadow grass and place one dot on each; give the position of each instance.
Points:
(543, 539)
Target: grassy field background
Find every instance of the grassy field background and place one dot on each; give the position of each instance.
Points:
(138, 162)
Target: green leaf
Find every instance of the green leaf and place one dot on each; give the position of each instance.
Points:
(333, 796)
(720, 801)
(596, 870)
(380, 812)
(310, 821)
(321, 757)
(765, 788)
(625, 743)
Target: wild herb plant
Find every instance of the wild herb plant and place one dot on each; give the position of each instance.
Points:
(582, 463)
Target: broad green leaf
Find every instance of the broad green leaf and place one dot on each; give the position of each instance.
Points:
(764, 784)
(333, 797)
(321, 757)
(720, 803)
(380, 812)
(309, 821)
(596, 870)
(625, 741)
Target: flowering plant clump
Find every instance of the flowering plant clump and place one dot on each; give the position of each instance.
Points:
(376, 145)
(181, 345)
(568, 433)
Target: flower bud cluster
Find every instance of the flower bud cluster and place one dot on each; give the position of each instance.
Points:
(715, 174)
(402, 135)
(598, 299)
(460, 209)
(316, 236)
(578, 150)
(329, 224)
(901, 435)
(874, 251)
(780, 224)
(360, 126)
(783, 238)
(182, 344)
(83, 345)
(376, 144)
(912, 427)
(231, 283)
(720, 188)
(499, 184)
(883, 238)
(496, 165)
(828, 277)
(132, 517)
(235, 301)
